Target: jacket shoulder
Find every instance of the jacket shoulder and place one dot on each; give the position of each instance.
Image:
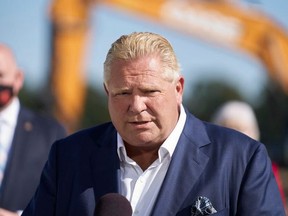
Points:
(98, 134)
(40, 120)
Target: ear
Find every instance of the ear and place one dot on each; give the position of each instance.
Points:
(180, 89)
(106, 89)
(19, 80)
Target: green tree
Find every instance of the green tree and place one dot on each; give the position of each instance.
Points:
(207, 96)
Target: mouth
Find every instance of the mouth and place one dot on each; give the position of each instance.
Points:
(140, 124)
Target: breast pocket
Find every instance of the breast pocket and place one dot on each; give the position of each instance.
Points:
(187, 212)
(223, 212)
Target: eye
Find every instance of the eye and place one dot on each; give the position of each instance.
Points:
(122, 93)
(152, 92)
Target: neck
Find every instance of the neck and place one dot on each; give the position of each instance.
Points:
(143, 157)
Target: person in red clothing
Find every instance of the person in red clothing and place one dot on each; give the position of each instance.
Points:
(240, 116)
(277, 174)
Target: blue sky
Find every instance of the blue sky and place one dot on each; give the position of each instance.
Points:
(24, 26)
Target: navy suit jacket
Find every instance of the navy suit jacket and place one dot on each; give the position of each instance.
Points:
(227, 167)
(30, 147)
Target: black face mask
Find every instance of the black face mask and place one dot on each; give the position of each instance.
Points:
(6, 93)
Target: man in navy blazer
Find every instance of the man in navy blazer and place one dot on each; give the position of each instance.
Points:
(27, 134)
(155, 153)
(31, 144)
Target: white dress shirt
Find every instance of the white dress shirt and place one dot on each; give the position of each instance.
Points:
(141, 188)
(8, 121)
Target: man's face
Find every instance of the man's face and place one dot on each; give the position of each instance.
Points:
(144, 107)
(11, 78)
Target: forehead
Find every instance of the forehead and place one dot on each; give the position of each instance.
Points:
(140, 68)
(7, 63)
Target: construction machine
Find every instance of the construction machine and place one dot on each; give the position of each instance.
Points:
(223, 22)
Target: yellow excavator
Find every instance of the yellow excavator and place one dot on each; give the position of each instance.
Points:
(223, 22)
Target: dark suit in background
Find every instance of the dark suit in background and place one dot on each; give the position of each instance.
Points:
(26, 139)
(33, 136)
(225, 166)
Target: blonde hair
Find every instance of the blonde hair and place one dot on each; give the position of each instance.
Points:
(141, 44)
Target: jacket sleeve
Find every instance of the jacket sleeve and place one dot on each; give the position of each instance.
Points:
(44, 201)
(259, 193)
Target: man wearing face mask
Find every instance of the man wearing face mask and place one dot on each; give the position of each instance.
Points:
(25, 140)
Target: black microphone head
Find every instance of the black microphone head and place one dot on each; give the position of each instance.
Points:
(113, 204)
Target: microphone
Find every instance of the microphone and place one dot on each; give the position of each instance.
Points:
(113, 204)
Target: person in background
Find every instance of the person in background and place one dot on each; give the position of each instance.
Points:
(25, 139)
(240, 116)
(154, 152)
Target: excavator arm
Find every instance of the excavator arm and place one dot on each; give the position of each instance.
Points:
(70, 19)
(221, 22)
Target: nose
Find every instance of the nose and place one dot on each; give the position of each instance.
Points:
(137, 104)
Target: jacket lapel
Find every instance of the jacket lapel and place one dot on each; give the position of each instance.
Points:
(19, 146)
(105, 177)
(187, 164)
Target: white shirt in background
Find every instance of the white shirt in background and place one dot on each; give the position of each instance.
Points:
(8, 121)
